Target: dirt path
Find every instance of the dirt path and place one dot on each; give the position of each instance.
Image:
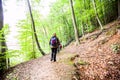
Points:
(42, 69)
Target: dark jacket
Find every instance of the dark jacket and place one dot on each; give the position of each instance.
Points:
(57, 44)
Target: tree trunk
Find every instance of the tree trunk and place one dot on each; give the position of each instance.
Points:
(82, 29)
(84, 2)
(94, 5)
(33, 25)
(74, 23)
(118, 8)
(68, 30)
(33, 45)
(104, 11)
(45, 32)
(4, 61)
(45, 35)
(1, 15)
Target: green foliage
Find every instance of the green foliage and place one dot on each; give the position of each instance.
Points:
(26, 38)
(115, 48)
(15, 57)
(6, 29)
(3, 49)
(90, 29)
(11, 77)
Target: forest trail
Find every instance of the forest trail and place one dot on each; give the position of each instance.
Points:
(93, 59)
(42, 69)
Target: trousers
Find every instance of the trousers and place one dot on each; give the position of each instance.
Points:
(53, 55)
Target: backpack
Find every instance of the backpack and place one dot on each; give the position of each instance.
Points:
(53, 41)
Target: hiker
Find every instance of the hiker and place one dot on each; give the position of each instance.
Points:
(54, 43)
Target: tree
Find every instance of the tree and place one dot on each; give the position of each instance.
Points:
(34, 30)
(118, 8)
(4, 61)
(74, 23)
(1, 15)
(97, 17)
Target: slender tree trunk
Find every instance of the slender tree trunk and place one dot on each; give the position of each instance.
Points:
(45, 35)
(82, 28)
(89, 4)
(45, 32)
(94, 5)
(118, 8)
(103, 11)
(74, 23)
(35, 34)
(33, 44)
(68, 31)
(1, 15)
(4, 61)
(84, 1)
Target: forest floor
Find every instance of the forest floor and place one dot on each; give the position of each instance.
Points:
(93, 59)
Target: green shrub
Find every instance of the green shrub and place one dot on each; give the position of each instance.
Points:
(90, 29)
(116, 48)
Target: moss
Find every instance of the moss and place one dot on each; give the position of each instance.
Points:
(68, 59)
(83, 39)
(94, 37)
(115, 48)
(118, 27)
(81, 62)
(111, 31)
(103, 41)
(11, 76)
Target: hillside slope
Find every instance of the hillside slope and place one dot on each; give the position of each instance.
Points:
(101, 62)
(93, 59)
